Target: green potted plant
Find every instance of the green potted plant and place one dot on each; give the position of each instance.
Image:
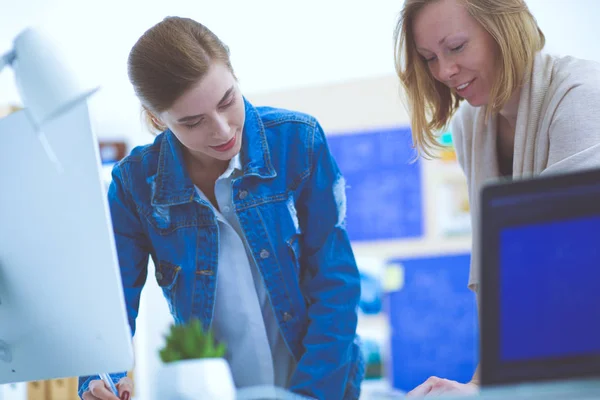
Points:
(194, 366)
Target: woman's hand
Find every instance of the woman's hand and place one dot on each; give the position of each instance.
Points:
(98, 390)
(435, 386)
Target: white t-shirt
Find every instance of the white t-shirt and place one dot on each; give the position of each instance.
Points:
(243, 317)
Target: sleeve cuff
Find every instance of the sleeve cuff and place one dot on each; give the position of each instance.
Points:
(84, 381)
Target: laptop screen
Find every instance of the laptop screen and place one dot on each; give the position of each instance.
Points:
(550, 289)
(541, 279)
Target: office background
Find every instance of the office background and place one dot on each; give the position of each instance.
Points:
(333, 59)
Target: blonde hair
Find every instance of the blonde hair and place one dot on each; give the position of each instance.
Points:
(169, 59)
(431, 103)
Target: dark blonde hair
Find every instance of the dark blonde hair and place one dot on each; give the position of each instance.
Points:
(431, 103)
(169, 59)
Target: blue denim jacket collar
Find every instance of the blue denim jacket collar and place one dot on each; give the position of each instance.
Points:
(173, 184)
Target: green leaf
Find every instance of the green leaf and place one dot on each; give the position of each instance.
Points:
(189, 341)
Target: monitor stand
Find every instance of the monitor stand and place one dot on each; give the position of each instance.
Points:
(1, 342)
(5, 353)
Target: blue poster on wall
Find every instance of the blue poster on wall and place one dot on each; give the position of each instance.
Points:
(383, 183)
(433, 320)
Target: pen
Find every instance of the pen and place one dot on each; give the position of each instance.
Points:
(106, 379)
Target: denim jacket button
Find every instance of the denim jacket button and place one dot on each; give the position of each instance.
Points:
(159, 276)
(243, 194)
(264, 254)
(287, 316)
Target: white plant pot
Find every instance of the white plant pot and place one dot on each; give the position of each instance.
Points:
(206, 379)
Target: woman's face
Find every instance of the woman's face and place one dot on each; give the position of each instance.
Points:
(459, 52)
(209, 118)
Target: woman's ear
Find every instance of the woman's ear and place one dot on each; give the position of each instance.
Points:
(157, 122)
(153, 123)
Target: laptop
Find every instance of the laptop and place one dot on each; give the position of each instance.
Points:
(540, 287)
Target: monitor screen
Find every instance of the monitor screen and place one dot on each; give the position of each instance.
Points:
(62, 308)
(540, 257)
(550, 289)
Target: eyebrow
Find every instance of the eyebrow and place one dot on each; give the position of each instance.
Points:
(191, 117)
(441, 41)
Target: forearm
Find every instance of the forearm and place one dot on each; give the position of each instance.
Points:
(476, 377)
(324, 368)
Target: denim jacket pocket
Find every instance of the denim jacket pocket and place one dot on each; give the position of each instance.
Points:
(166, 276)
(167, 219)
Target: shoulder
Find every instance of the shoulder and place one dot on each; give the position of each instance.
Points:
(574, 79)
(574, 90)
(572, 117)
(575, 71)
(141, 161)
(295, 140)
(281, 117)
(285, 127)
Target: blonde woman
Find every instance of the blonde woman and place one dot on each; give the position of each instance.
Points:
(516, 111)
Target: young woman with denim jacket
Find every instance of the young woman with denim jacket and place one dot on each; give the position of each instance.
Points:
(242, 210)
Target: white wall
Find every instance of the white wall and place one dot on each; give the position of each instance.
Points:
(275, 44)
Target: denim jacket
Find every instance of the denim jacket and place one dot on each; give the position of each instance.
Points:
(290, 202)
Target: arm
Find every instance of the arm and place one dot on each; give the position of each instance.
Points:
(476, 379)
(574, 133)
(132, 250)
(457, 130)
(334, 283)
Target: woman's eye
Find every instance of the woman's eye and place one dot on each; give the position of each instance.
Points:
(228, 104)
(192, 126)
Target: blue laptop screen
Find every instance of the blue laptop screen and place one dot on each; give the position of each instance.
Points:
(550, 289)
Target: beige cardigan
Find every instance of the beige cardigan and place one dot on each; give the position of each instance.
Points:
(557, 130)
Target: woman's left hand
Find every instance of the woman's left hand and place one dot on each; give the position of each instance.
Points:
(435, 386)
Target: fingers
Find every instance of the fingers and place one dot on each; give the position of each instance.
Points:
(435, 386)
(424, 388)
(442, 388)
(125, 387)
(100, 391)
(88, 396)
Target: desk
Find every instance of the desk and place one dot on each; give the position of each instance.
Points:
(370, 390)
(267, 393)
(585, 389)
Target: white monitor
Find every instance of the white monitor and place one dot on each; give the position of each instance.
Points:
(62, 310)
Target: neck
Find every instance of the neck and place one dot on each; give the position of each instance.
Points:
(511, 109)
(207, 165)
